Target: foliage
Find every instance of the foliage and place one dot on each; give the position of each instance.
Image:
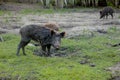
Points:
(69, 3)
(110, 3)
(95, 49)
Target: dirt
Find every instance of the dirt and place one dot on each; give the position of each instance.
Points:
(115, 70)
(74, 23)
(115, 78)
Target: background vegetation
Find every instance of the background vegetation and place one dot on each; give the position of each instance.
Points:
(69, 3)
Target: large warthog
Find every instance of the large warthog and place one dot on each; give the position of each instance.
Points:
(106, 11)
(45, 36)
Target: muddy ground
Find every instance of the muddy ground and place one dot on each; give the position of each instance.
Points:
(74, 23)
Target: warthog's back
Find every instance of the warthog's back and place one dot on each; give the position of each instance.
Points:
(108, 10)
(36, 32)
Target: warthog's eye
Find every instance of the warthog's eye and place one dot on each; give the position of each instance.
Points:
(62, 34)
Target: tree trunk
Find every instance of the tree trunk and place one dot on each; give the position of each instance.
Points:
(116, 3)
(42, 2)
(96, 3)
(89, 2)
(59, 3)
(66, 3)
(83, 3)
(73, 2)
(47, 3)
(1, 1)
(102, 2)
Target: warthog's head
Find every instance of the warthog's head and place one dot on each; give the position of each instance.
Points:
(101, 14)
(56, 39)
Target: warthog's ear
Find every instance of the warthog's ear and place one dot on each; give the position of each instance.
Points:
(62, 34)
(52, 32)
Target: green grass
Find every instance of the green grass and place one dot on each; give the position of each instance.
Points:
(119, 17)
(95, 49)
(2, 12)
(52, 11)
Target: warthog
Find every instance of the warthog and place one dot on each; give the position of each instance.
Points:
(45, 36)
(106, 11)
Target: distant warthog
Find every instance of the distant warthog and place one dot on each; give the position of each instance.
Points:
(41, 34)
(106, 11)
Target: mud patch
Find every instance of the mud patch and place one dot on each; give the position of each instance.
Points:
(115, 78)
(59, 53)
(2, 32)
(102, 31)
(38, 52)
(112, 23)
(115, 70)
